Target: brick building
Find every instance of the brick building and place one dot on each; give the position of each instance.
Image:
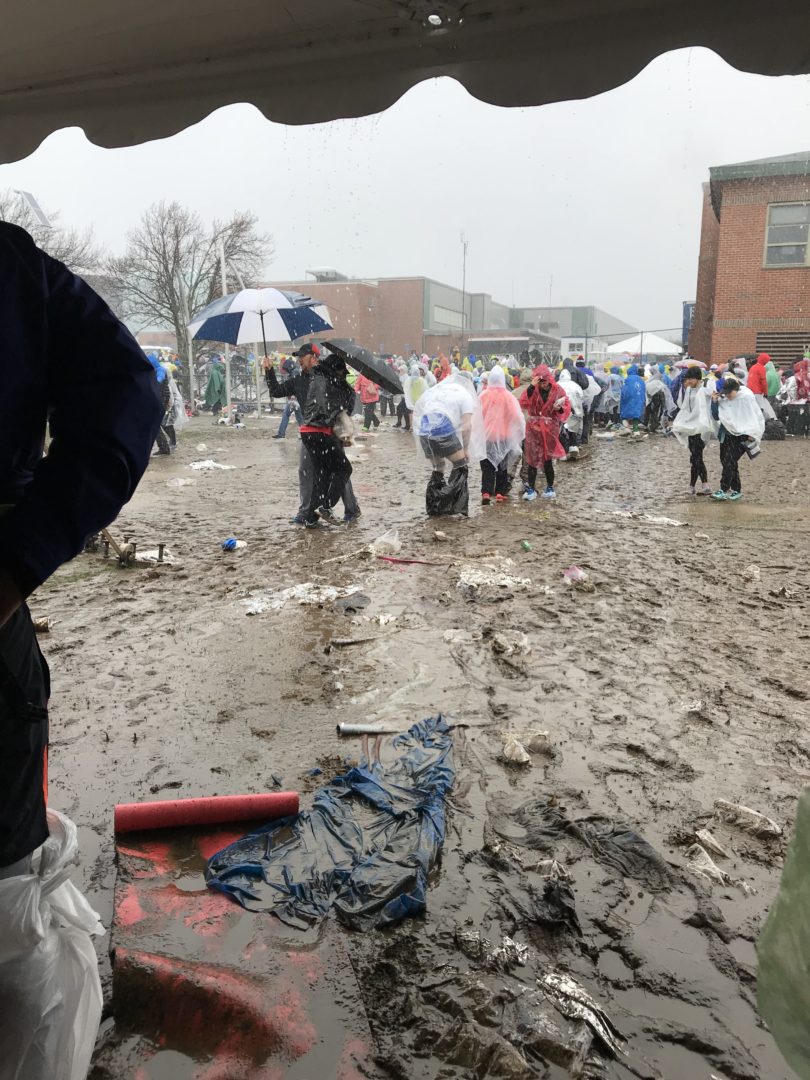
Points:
(753, 290)
(396, 315)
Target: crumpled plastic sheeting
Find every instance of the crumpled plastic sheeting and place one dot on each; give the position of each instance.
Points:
(615, 845)
(364, 850)
(576, 1003)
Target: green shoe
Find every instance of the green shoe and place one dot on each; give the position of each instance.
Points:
(720, 496)
(733, 496)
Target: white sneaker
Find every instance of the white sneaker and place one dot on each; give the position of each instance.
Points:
(529, 495)
(574, 452)
(692, 490)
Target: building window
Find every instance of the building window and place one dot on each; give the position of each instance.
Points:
(575, 346)
(787, 234)
(447, 317)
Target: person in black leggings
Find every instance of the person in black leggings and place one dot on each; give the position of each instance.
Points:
(548, 469)
(696, 462)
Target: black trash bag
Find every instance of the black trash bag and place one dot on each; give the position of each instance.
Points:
(774, 430)
(556, 907)
(450, 496)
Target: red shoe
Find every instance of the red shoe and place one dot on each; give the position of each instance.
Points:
(485, 499)
(501, 498)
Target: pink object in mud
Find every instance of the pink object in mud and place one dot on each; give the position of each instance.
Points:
(575, 574)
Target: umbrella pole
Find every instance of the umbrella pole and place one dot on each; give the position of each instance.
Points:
(264, 339)
(258, 373)
(259, 370)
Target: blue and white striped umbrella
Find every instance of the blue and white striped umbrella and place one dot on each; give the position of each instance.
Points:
(253, 315)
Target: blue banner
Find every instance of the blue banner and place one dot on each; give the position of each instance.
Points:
(688, 320)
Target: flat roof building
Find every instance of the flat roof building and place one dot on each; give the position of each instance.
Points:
(400, 314)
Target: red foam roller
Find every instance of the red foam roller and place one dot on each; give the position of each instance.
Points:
(214, 810)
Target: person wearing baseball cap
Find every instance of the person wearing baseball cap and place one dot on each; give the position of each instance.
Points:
(297, 387)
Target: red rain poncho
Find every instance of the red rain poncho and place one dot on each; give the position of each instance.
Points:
(544, 420)
(757, 377)
(504, 426)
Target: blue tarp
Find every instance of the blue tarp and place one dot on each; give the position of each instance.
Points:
(364, 850)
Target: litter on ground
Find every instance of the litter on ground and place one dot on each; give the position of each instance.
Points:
(747, 819)
(480, 576)
(208, 464)
(305, 593)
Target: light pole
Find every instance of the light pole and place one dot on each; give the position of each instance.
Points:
(224, 271)
(464, 245)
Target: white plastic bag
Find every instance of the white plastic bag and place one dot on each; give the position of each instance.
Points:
(50, 990)
(387, 544)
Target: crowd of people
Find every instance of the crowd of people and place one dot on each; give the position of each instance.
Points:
(515, 423)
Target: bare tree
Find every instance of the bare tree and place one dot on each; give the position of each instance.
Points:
(171, 267)
(75, 249)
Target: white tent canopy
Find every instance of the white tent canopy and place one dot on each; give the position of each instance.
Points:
(643, 344)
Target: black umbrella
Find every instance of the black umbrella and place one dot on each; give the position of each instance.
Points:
(366, 363)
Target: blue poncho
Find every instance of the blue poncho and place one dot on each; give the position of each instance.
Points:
(634, 396)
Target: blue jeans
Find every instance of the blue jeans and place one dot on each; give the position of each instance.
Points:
(289, 408)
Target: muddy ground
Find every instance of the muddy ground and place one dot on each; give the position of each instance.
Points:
(675, 680)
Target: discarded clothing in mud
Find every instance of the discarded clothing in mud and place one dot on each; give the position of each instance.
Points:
(364, 850)
(625, 851)
(617, 846)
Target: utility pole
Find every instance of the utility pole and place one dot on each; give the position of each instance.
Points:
(224, 271)
(189, 343)
(464, 245)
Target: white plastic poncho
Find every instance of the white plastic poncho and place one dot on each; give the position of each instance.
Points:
(504, 423)
(573, 392)
(413, 387)
(656, 385)
(592, 393)
(449, 408)
(742, 415)
(694, 416)
(179, 418)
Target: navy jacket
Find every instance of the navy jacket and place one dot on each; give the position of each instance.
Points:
(64, 357)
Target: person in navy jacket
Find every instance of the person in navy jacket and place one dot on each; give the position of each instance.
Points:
(66, 362)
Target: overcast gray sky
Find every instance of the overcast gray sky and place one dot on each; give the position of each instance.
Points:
(589, 202)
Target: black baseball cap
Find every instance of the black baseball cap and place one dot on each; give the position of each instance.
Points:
(309, 350)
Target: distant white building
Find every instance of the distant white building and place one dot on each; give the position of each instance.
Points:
(593, 349)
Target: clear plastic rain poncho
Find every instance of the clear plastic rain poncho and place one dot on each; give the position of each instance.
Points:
(694, 415)
(413, 386)
(451, 411)
(741, 415)
(504, 423)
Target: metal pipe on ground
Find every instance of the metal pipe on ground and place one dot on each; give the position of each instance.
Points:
(366, 729)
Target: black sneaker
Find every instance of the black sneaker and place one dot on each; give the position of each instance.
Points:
(299, 519)
(328, 515)
(349, 518)
(316, 524)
